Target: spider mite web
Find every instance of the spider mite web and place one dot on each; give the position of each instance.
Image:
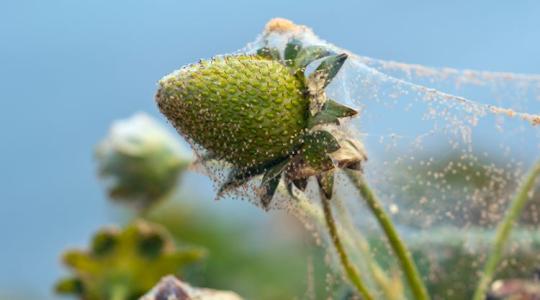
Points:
(447, 149)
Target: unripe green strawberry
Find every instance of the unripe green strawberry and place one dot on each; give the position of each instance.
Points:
(264, 115)
(248, 110)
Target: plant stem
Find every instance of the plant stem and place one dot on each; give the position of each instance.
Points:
(504, 229)
(392, 288)
(404, 257)
(307, 208)
(119, 292)
(350, 269)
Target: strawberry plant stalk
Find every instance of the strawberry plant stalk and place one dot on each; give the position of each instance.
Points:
(504, 229)
(403, 255)
(349, 268)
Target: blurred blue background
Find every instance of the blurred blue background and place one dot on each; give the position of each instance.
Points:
(69, 68)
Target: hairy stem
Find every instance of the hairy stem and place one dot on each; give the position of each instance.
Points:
(504, 229)
(352, 239)
(307, 208)
(350, 270)
(392, 288)
(403, 255)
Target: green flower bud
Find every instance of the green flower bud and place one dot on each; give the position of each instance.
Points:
(140, 161)
(124, 262)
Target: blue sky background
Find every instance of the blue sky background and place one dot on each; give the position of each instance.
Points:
(69, 68)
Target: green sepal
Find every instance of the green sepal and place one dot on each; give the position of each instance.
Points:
(317, 146)
(326, 183)
(184, 257)
(351, 155)
(275, 171)
(356, 166)
(290, 189)
(300, 76)
(309, 54)
(271, 180)
(321, 163)
(270, 53)
(70, 285)
(269, 189)
(238, 177)
(208, 156)
(78, 260)
(291, 51)
(300, 184)
(321, 141)
(328, 69)
(104, 242)
(330, 113)
(150, 245)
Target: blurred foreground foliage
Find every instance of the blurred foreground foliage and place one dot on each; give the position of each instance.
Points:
(124, 263)
(450, 259)
(279, 258)
(255, 262)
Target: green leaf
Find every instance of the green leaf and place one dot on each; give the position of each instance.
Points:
(291, 51)
(331, 112)
(326, 183)
(270, 53)
(309, 54)
(269, 189)
(328, 69)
